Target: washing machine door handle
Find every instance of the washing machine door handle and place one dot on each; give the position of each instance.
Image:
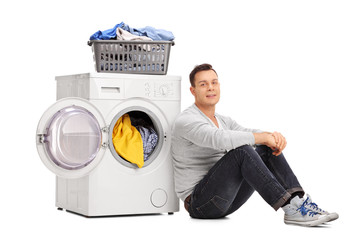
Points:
(106, 129)
(72, 137)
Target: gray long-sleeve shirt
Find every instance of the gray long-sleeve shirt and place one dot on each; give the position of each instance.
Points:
(197, 144)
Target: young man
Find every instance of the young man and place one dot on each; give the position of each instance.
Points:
(217, 168)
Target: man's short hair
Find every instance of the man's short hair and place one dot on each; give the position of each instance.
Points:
(199, 68)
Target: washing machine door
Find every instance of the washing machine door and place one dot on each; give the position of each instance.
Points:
(70, 137)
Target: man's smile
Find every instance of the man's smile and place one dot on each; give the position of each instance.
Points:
(211, 95)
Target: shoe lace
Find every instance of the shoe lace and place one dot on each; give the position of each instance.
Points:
(303, 210)
(312, 205)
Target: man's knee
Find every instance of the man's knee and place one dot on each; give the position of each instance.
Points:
(246, 148)
(246, 151)
(263, 150)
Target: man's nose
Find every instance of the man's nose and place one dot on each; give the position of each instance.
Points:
(211, 87)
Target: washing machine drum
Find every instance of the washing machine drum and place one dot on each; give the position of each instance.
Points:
(135, 138)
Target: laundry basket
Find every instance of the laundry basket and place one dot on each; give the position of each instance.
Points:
(137, 57)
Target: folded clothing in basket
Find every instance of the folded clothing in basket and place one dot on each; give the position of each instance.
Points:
(148, 31)
(124, 35)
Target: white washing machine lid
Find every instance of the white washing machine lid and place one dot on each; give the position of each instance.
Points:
(70, 137)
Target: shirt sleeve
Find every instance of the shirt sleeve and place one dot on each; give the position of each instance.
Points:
(233, 125)
(204, 134)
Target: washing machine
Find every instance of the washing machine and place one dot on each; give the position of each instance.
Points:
(74, 141)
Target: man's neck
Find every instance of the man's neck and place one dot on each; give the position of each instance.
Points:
(209, 111)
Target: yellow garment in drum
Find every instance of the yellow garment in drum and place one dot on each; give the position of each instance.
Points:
(127, 141)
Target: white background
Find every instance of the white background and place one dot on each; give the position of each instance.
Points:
(289, 66)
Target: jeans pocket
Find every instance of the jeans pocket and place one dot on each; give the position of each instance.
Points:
(216, 207)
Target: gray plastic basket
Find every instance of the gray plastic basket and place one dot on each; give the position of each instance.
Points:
(132, 57)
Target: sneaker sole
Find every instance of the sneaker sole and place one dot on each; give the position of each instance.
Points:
(309, 223)
(333, 216)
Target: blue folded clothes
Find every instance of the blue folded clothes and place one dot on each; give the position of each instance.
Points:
(150, 140)
(107, 34)
(153, 33)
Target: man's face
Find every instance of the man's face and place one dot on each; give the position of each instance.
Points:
(207, 88)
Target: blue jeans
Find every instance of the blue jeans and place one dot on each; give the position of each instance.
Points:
(233, 179)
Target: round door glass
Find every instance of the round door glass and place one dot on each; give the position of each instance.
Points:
(73, 138)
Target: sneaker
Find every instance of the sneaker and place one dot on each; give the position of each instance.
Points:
(309, 204)
(297, 213)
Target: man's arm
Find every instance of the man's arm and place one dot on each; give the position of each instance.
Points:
(204, 134)
(274, 140)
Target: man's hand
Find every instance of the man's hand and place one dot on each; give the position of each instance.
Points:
(280, 143)
(276, 141)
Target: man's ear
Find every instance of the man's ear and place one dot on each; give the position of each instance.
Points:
(192, 90)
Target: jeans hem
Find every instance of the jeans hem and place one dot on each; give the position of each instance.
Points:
(295, 189)
(281, 201)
